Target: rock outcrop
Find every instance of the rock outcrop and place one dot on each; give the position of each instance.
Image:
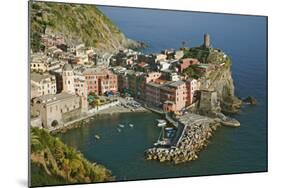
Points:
(250, 100)
(220, 80)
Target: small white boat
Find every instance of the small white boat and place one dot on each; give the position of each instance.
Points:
(169, 129)
(119, 130)
(131, 125)
(97, 137)
(122, 126)
(161, 143)
(161, 123)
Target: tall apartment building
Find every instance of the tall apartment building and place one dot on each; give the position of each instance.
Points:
(100, 81)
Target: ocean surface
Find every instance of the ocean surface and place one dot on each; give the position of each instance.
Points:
(232, 150)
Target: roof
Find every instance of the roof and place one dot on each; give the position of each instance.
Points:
(154, 84)
(39, 77)
(176, 83)
(67, 67)
(55, 97)
(95, 71)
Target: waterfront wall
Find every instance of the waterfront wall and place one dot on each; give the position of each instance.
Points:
(103, 107)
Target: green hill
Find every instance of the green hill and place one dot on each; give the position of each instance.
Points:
(77, 23)
(52, 162)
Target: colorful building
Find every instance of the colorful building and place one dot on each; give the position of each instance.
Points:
(170, 95)
(174, 96)
(186, 62)
(192, 87)
(100, 81)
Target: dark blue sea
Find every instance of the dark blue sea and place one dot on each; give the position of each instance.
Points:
(232, 150)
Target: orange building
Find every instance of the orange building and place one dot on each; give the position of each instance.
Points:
(100, 81)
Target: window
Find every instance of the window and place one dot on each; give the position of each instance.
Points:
(69, 82)
(50, 109)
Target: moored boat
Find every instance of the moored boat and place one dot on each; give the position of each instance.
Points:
(161, 123)
(97, 137)
(122, 126)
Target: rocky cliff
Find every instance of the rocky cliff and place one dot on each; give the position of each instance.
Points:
(221, 81)
(218, 77)
(77, 24)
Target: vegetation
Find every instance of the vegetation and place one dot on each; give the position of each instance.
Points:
(199, 53)
(52, 162)
(192, 72)
(77, 23)
(207, 55)
(228, 62)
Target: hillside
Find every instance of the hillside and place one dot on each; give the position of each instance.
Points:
(52, 162)
(77, 23)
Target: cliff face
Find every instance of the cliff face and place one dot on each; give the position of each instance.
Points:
(77, 24)
(218, 78)
(221, 81)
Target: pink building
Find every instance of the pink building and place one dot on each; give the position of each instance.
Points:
(100, 81)
(171, 96)
(174, 96)
(185, 63)
(191, 86)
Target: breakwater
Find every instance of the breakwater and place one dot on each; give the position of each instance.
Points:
(195, 134)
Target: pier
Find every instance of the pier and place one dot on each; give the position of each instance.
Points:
(191, 137)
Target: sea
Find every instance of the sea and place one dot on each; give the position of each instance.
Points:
(231, 150)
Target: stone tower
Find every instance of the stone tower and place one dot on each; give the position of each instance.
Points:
(207, 41)
(68, 79)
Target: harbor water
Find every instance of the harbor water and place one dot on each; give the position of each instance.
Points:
(231, 150)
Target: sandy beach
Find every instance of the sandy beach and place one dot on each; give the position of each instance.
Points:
(120, 109)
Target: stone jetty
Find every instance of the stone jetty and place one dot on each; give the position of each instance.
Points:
(196, 132)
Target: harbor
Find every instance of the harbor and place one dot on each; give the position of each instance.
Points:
(190, 137)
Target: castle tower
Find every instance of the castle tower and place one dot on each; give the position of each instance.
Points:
(207, 41)
(68, 79)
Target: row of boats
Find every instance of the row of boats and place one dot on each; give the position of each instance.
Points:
(119, 129)
(121, 126)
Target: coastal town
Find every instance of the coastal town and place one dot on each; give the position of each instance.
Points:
(71, 83)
